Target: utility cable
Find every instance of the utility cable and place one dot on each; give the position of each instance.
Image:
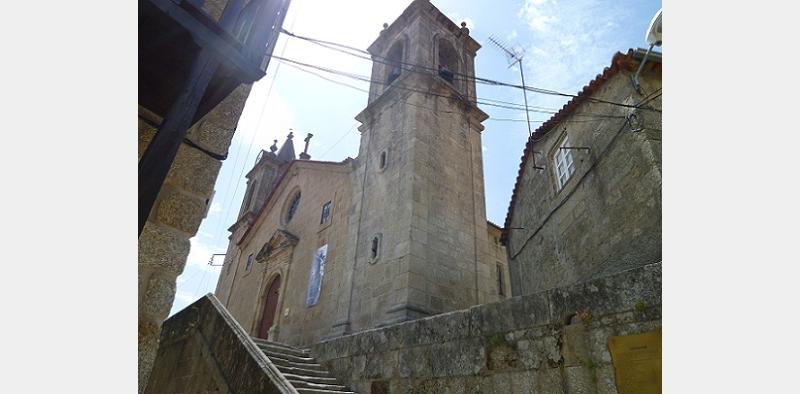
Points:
(362, 78)
(417, 67)
(598, 158)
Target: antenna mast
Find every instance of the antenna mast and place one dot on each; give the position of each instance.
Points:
(514, 57)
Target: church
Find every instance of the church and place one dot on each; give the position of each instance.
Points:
(323, 249)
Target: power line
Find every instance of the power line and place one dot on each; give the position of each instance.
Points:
(252, 139)
(339, 140)
(651, 98)
(591, 167)
(542, 121)
(417, 67)
(326, 78)
(362, 78)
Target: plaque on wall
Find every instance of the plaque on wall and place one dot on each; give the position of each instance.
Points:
(637, 362)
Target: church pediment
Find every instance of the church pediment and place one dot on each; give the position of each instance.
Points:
(280, 240)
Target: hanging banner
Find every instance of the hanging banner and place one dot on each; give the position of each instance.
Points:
(315, 278)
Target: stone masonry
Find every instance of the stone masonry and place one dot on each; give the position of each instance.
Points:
(550, 342)
(407, 235)
(607, 217)
(204, 350)
(180, 207)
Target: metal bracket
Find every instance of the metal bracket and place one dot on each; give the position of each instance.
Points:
(576, 148)
(533, 156)
(211, 260)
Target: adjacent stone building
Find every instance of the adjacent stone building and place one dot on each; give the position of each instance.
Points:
(323, 249)
(587, 200)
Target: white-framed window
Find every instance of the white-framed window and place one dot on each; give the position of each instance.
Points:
(564, 164)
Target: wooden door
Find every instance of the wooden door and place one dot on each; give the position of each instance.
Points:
(270, 305)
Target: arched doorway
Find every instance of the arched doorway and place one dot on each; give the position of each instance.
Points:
(270, 305)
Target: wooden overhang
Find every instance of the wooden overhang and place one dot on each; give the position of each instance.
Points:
(171, 34)
(188, 63)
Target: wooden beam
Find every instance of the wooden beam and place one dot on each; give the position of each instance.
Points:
(160, 153)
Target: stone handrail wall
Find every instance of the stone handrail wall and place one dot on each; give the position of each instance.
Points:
(203, 349)
(554, 341)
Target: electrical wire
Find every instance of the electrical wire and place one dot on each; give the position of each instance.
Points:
(417, 67)
(339, 140)
(651, 99)
(252, 140)
(598, 158)
(362, 78)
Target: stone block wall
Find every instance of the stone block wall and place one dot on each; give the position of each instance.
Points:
(181, 205)
(536, 343)
(607, 217)
(204, 350)
(498, 257)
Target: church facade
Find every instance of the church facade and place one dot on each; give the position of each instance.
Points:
(322, 249)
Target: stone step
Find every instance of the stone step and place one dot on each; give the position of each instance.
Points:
(289, 357)
(303, 371)
(310, 365)
(280, 348)
(320, 391)
(300, 384)
(312, 379)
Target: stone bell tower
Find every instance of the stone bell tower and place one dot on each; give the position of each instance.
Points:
(418, 236)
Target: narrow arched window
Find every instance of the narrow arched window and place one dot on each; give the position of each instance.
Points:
(448, 61)
(376, 243)
(393, 61)
(293, 207)
(382, 161)
(375, 248)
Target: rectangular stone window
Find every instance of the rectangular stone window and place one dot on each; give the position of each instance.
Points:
(249, 263)
(500, 285)
(315, 277)
(326, 213)
(564, 164)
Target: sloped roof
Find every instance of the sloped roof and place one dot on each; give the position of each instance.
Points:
(620, 61)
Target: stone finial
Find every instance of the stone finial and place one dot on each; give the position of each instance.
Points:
(274, 147)
(286, 154)
(305, 155)
(385, 26)
(464, 29)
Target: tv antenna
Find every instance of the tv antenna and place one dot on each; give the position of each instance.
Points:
(515, 56)
(652, 37)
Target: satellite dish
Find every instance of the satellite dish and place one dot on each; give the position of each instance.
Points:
(653, 36)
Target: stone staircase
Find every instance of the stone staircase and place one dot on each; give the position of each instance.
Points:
(303, 372)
